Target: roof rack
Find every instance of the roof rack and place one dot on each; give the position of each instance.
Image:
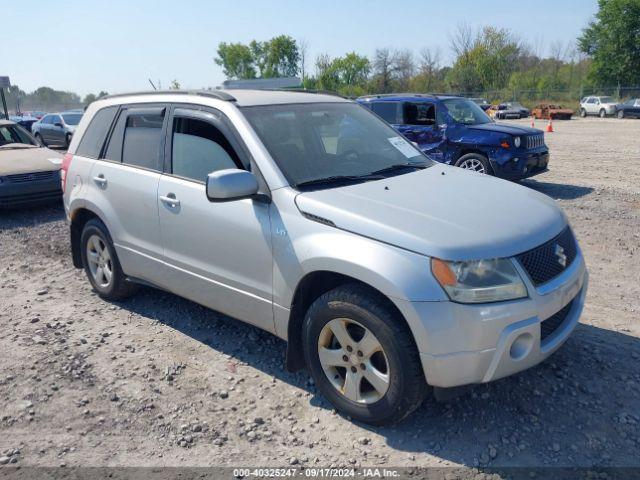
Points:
(219, 94)
(405, 94)
(305, 90)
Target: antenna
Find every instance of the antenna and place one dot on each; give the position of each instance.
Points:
(154, 87)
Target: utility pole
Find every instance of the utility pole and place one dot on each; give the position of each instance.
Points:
(4, 83)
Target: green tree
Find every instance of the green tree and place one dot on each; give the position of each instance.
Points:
(278, 57)
(613, 42)
(237, 60)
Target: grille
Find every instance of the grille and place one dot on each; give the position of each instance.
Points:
(32, 177)
(544, 263)
(551, 324)
(535, 141)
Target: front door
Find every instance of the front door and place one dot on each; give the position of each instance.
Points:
(217, 253)
(420, 126)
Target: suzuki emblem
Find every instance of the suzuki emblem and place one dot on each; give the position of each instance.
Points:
(562, 257)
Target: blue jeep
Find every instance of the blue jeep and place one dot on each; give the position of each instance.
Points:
(455, 130)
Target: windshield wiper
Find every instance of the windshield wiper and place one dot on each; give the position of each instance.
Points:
(399, 166)
(339, 179)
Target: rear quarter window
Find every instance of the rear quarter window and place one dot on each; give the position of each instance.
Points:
(96, 133)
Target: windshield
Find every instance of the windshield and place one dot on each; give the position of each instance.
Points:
(314, 141)
(14, 134)
(72, 118)
(465, 111)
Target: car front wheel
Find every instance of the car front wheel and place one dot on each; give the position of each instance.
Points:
(362, 356)
(475, 162)
(101, 263)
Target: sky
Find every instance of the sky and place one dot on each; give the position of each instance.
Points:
(117, 45)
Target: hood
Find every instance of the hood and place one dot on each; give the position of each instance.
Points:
(27, 160)
(442, 211)
(506, 128)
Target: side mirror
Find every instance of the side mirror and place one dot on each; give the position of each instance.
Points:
(231, 184)
(57, 124)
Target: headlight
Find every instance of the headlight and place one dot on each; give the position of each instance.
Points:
(516, 142)
(479, 281)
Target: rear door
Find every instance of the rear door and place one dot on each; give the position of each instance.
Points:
(218, 253)
(124, 187)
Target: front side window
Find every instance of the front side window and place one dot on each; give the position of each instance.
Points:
(199, 148)
(419, 113)
(466, 112)
(390, 112)
(316, 141)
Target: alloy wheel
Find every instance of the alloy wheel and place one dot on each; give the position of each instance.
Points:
(100, 263)
(473, 164)
(353, 360)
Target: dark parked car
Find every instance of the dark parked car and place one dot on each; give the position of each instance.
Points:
(56, 129)
(511, 110)
(483, 103)
(29, 172)
(629, 109)
(455, 130)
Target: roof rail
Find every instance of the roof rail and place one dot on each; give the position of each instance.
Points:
(404, 94)
(305, 90)
(219, 94)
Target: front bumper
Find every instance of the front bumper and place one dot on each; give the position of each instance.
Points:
(14, 195)
(468, 344)
(521, 165)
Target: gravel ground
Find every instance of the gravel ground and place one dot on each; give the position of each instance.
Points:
(161, 381)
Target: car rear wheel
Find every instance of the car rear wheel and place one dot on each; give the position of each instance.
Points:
(583, 112)
(101, 263)
(475, 162)
(39, 139)
(620, 113)
(602, 113)
(362, 356)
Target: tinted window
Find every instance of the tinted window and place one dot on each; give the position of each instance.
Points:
(199, 148)
(142, 135)
(96, 133)
(419, 113)
(72, 118)
(389, 111)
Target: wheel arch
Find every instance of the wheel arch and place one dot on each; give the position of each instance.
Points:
(79, 219)
(311, 287)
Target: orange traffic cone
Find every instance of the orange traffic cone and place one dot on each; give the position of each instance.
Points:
(550, 126)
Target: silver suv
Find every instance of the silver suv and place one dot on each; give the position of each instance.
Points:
(601, 106)
(308, 216)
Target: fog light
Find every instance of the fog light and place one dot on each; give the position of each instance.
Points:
(521, 346)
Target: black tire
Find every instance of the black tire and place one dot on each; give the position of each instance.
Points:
(67, 141)
(602, 113)
(620, 113)
(118, 288)
(40, 139)
(475, 156)
(583, 112)
(407, 385)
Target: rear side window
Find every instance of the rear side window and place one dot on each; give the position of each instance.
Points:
(419, 113)
(96, 133)
(388, 111)
(199, 148)
(137, 138)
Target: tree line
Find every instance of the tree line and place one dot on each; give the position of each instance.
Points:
(488, 61)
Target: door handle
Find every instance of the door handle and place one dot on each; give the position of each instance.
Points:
(100, 180)
(170, 200)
